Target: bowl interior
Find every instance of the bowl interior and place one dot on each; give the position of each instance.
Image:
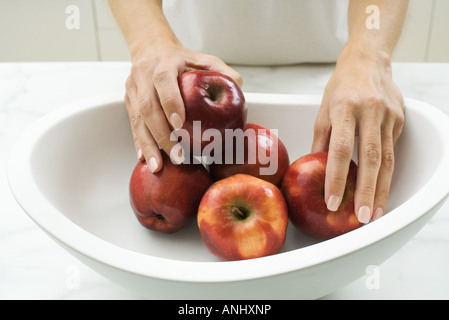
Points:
(83, 164)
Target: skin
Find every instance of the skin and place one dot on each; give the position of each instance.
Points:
(153, 100)
(360, 98)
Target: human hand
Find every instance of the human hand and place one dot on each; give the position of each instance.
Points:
(360, 99)
(153, 100)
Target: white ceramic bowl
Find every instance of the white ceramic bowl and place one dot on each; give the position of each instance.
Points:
(70, 173)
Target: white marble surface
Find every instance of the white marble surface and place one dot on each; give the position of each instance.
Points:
(32, 266)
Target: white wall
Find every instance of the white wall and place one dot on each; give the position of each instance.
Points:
(35, 30)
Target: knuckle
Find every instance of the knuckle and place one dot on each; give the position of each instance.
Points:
(344, 107)
(160, 76)
(161, 138)
(398, 127)
(212, 59)
(339, 181)
(382, 195)
(148, 149)
(374, 108)
(136, 118)
(388, 160)
(372, 153)
(375, 101)
(135, 67)
(342, 147)
(400, 119)
(367, 191)
(167, 100)
(347, 101)
(140, 65)
(390, 113)
(344, 112)
(144, 105)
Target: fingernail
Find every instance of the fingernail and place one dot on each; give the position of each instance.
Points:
(364, 214)
(139, 155)
(152, 165)
(378, 213)
(176, 121)
(333, 203)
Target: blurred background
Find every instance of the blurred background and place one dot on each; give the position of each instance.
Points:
(44, 31)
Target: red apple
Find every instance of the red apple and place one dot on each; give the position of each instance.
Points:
(303, 189)
(264, 146)
(243, 217)
(167, 200)
(215, 100)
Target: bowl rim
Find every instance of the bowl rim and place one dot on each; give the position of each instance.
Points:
(61, 228)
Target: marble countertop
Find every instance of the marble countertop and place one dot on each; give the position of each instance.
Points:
(32, 266)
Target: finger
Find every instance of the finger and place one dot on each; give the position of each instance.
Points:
(156, 122)
(390, 136)
(341, 147)
(369, 155)
(321, 129)
(385, 174)
(398, 127)
(135, 118)
(166, 83)
(234, 75)
(213, 63)
(146, 147)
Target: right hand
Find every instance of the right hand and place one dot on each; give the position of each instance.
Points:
(153, 100)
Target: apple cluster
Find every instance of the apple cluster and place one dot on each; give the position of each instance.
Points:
(241, 212)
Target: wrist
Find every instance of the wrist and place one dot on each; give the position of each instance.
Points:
(367, 53)
(145, 47)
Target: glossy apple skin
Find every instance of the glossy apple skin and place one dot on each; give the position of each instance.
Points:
(265, 142)
(173, 193)
(303, 190)
(230, 237)
(214, 99)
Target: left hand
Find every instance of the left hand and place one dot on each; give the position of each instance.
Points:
(360, 99)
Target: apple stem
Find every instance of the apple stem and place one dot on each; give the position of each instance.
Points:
(238, 213)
